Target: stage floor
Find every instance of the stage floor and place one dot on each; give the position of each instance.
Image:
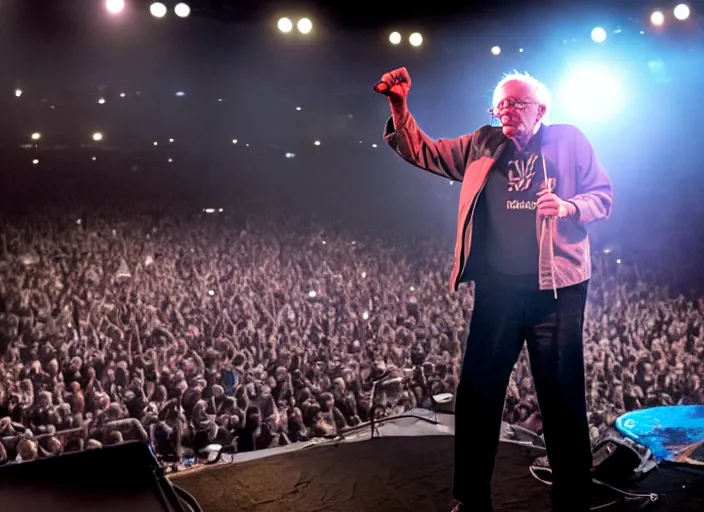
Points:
(393, 474)
(389, 474)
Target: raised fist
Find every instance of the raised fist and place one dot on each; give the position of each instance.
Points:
(399, 82)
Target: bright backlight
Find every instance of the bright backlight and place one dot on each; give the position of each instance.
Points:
(114, 6)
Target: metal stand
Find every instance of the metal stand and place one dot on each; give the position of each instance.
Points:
(383, 381)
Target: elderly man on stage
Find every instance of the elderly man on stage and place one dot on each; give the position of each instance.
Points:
(528, 192)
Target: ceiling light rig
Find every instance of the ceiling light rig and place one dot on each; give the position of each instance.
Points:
(182, 10)
(303, 25)
(158, 10)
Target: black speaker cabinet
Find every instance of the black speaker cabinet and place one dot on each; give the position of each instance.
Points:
(120, 478)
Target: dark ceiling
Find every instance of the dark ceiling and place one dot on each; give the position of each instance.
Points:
(358, 14)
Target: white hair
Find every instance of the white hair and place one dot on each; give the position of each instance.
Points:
(539, 91)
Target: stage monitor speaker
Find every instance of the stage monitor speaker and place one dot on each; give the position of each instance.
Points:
(120, 478)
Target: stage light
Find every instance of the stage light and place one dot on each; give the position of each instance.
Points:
(305, 26)
(35, 161)
(591, 93)
(598, 35)
(182, 10)
(496, 50)
(36, 136)
(285, 25)
(395, 38)
(234, 141)
(97, 136)
(158, 10)
(114, 6)
(415, 39)
(298, 108)
(101, 101)
(18, 93)
(682, 12)
(657, 18)
(317, 143)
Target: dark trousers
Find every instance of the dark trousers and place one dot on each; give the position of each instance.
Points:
(505, 316)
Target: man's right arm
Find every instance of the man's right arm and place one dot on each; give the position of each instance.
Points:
(445, 157)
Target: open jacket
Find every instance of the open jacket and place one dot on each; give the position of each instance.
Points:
(564, 255)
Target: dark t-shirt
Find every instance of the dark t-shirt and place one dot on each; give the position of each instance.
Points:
(504, 233)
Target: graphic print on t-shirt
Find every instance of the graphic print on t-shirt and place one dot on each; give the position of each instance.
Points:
(520, 173)
(506, 213)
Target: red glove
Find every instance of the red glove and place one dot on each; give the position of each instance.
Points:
(399, 82)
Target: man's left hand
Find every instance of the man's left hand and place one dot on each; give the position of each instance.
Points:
(550, 205)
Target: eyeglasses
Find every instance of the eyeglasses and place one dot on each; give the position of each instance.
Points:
(513, 103)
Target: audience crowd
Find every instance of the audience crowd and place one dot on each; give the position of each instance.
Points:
(203, 329)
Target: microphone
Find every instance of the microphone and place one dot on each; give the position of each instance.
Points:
(382, 88)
